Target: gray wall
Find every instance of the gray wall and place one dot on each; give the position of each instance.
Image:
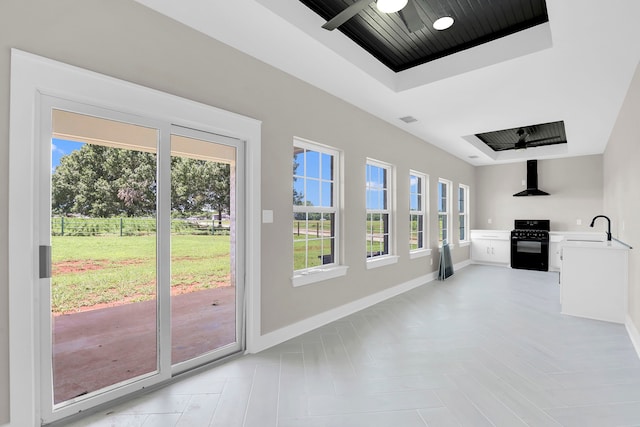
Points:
(123, 39)
(574, 185)
(622, 187)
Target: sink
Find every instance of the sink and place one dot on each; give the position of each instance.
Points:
(584, 240)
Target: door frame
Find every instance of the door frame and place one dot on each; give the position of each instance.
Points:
(33, 76)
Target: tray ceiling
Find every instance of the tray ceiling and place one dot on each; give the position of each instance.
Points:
(387, 37)
(525, 136)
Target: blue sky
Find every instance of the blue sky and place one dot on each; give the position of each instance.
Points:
(61, 147)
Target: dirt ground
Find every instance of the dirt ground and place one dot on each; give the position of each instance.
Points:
(97, 348)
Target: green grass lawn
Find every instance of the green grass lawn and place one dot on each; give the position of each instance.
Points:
(95, 270)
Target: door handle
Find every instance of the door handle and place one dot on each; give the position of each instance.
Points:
(45, 262)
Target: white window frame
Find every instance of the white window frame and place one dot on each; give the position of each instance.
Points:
(446, 213)
(389, 257)
(334, 269)
(464, 214)
(423, 194)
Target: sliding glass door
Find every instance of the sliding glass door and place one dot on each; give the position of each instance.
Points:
(140, 273)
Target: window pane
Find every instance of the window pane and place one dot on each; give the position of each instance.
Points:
(374, 178)
(414, 184)
(442, 227)
(298, 192)
(374, 199)
(313, 193)
(327, 167)
(298, 162)
(414, 202)
(313, 164)
(369, 175)
(299, 254)
(326, 255)
(327, 194)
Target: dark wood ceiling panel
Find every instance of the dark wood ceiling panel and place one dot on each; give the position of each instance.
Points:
(386, 37)
(525, 136)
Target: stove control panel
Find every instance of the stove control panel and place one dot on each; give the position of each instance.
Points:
(530, 235)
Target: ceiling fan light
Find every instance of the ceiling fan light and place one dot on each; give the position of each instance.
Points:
(390, 6)
(443, 23)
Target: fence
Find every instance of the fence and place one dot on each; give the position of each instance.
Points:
(63, 226)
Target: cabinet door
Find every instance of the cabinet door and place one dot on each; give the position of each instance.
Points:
(554, 256)
(501, 251)
(481, 250)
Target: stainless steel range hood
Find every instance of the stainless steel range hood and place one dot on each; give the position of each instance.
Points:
(532, 181)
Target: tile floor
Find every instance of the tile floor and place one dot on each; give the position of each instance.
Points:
(487, 347)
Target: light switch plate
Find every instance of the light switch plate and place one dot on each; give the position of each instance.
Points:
(267, 216)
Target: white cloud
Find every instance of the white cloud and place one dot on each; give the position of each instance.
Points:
(56, 149)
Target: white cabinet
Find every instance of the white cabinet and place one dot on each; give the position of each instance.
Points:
(490, 246)
(594, 280)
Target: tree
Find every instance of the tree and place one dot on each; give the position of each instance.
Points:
(102, 181)
(199, 185)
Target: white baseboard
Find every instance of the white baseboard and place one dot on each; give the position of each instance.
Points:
(281, 335)
(634, 335)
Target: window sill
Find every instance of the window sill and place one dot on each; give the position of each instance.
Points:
(420, 253)
(464, 243)
(381, 261)
(307, 277)
(451, 246)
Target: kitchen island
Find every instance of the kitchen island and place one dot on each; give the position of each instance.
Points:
(594, 278)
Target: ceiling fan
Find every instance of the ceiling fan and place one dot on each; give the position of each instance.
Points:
(405, 8)
(523, 141)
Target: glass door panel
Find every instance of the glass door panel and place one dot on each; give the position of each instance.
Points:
(103, 243)
(204, 296)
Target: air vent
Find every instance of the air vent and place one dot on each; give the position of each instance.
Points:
(408, 119)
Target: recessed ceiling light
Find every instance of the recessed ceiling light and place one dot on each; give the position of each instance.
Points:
(443, 23)
(390, 6)
(473, 157)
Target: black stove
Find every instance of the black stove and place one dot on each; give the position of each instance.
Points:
(530, 244)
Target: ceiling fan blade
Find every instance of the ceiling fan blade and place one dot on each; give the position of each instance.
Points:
(346, 14)
(534, 141)
(411, 18)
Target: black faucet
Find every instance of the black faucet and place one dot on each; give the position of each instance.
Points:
(608, 226)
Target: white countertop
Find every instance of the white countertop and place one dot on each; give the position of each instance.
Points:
(578, 239)
(594, 244)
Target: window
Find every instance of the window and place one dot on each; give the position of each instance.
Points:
(379, 209)
(463, 212)
(315, 205)
(444, 210)
(417, 211)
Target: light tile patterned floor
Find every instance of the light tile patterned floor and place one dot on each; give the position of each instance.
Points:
(487, 347)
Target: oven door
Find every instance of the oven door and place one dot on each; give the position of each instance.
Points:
(530, 254)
